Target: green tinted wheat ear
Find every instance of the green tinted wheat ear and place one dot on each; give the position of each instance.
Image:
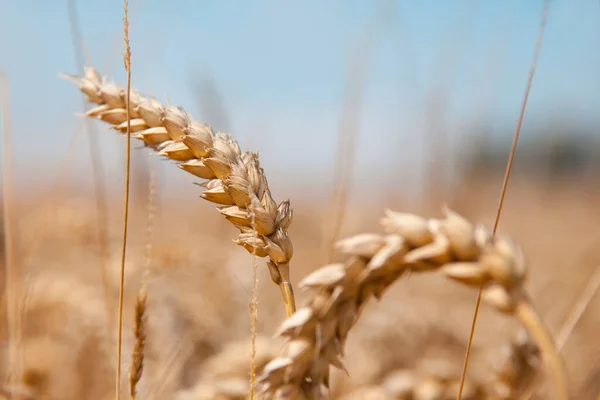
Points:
(235, 180)
(317, 332)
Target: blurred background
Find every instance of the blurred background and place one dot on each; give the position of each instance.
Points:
(412, 104)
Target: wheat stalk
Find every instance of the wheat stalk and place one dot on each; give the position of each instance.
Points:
(509, 166)
(317, 332)
(127, 102)
(235, 180)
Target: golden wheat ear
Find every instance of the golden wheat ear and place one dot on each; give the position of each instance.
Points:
(235, 180)
(471, 255)
(139, 331)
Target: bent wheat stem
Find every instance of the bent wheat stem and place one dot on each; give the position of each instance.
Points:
(527, 316)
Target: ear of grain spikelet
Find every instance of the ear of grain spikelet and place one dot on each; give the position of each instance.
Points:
(139, 331)
(235, 180)
(317, 332)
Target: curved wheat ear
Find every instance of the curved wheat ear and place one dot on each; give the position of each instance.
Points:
(235, 180)
(317, 332)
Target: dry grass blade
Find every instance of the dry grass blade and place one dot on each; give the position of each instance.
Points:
(253, 314)
(223, 376)
(581, 304)
(470, 255)
(509, 164)
(96, 162)
(127, 62)
(140, 312)
(530, 320)
(236, 181)
(354, 93)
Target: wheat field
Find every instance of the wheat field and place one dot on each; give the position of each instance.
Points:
(210, 288)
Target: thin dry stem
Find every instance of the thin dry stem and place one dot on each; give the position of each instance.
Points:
(355, 85)
(140, 315)
(530, 320)
(236, 182)
(509, 164)
(12, 274)
(471, 255)
(81, 58)
(253, 313)
(151, 213)
(127, 62)
(81, 55)
(581, 304)
(167, 370)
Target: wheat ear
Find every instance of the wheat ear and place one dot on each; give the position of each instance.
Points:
(139, 331)
(235, 180)
(317, 332)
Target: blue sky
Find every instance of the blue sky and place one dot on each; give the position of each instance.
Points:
(280, 69)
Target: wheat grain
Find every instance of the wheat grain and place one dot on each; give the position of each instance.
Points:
(235, 180)
(471, 255)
